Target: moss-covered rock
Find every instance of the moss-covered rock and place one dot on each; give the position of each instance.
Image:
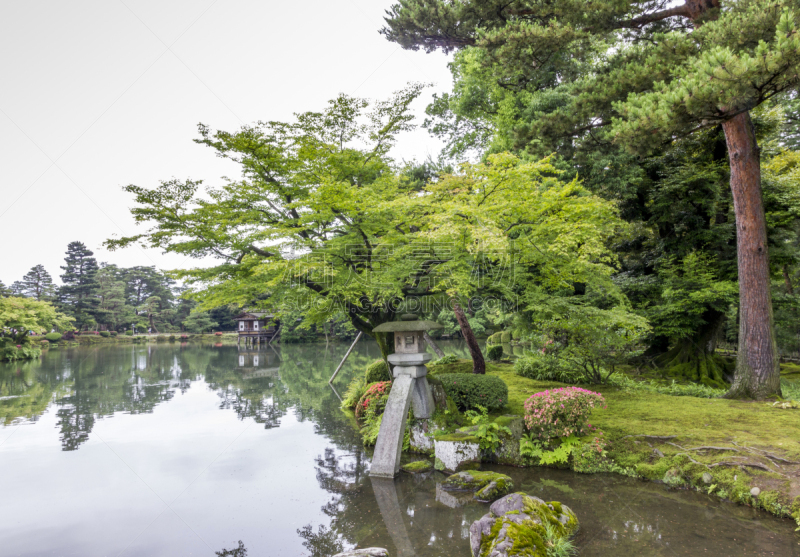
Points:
(508, 453)
(673, 477)
(456, 450)
(521, 525)
(417, 467)
(487, 486)
(421, 434)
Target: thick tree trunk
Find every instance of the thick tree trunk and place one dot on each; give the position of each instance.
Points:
(478, 364)
(757, 366)
(386, 344)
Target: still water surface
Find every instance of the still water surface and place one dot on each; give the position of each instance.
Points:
(185, 450)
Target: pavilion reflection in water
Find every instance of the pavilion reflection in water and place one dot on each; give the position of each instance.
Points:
(256, 362)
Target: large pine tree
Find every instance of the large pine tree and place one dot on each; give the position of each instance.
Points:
(112, 311)
(78, 295)
(37, 284)
(642, 73)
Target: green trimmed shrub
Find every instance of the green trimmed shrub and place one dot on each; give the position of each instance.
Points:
(545, 367)
(53, 337)
(105, 334)
(171, 338)
(495, 352)
(444, 360)
(495, 339)
(505, 337)
(161, 338)
(129, 333)
(113, 333)
(377, 371)
(470, 390)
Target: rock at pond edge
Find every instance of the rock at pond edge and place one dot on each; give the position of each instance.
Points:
(515, 525)
(454, 452)
(417, 467)
(487, 485)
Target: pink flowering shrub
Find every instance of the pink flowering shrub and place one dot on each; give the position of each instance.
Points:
(561, 412)
(373, 401)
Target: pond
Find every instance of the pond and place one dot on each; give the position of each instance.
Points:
(185, 450)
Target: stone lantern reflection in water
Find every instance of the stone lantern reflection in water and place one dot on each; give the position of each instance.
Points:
(409, 388)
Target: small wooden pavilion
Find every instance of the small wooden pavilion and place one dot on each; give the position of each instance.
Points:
(256, 327)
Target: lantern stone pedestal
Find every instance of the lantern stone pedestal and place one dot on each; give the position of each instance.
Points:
(409, 389)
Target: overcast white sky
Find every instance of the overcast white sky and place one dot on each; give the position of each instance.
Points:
(98, 94)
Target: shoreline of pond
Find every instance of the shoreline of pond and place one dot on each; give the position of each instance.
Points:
(684, 442)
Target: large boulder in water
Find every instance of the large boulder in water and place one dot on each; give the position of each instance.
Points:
(521, 525)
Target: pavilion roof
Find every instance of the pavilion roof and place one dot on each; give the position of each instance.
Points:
(253, 316)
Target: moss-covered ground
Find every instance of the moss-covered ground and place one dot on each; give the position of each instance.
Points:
(725, 447)
(417, 467)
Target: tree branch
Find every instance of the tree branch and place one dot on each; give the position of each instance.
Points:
(638, 22)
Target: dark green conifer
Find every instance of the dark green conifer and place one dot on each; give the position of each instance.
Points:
(78, 295)
(37, 284)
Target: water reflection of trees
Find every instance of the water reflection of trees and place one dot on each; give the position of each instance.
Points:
(86, 385)
(23, 393)
(322, 543)
(104, 382)
(401, 515)
(240, 551)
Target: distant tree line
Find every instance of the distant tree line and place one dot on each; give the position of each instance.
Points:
(102, 296)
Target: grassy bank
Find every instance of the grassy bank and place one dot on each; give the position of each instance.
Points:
(723, 447)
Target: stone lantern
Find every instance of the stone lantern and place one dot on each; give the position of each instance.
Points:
(410, 387)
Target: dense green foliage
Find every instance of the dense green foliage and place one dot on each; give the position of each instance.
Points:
(544, 367)
(596, 217)
(631, 98)
(444, 360)
(37, 283)
(470, 392)
(377, 371)
(78, 295)
(19, 317)
(495, 352)
(103, 296)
